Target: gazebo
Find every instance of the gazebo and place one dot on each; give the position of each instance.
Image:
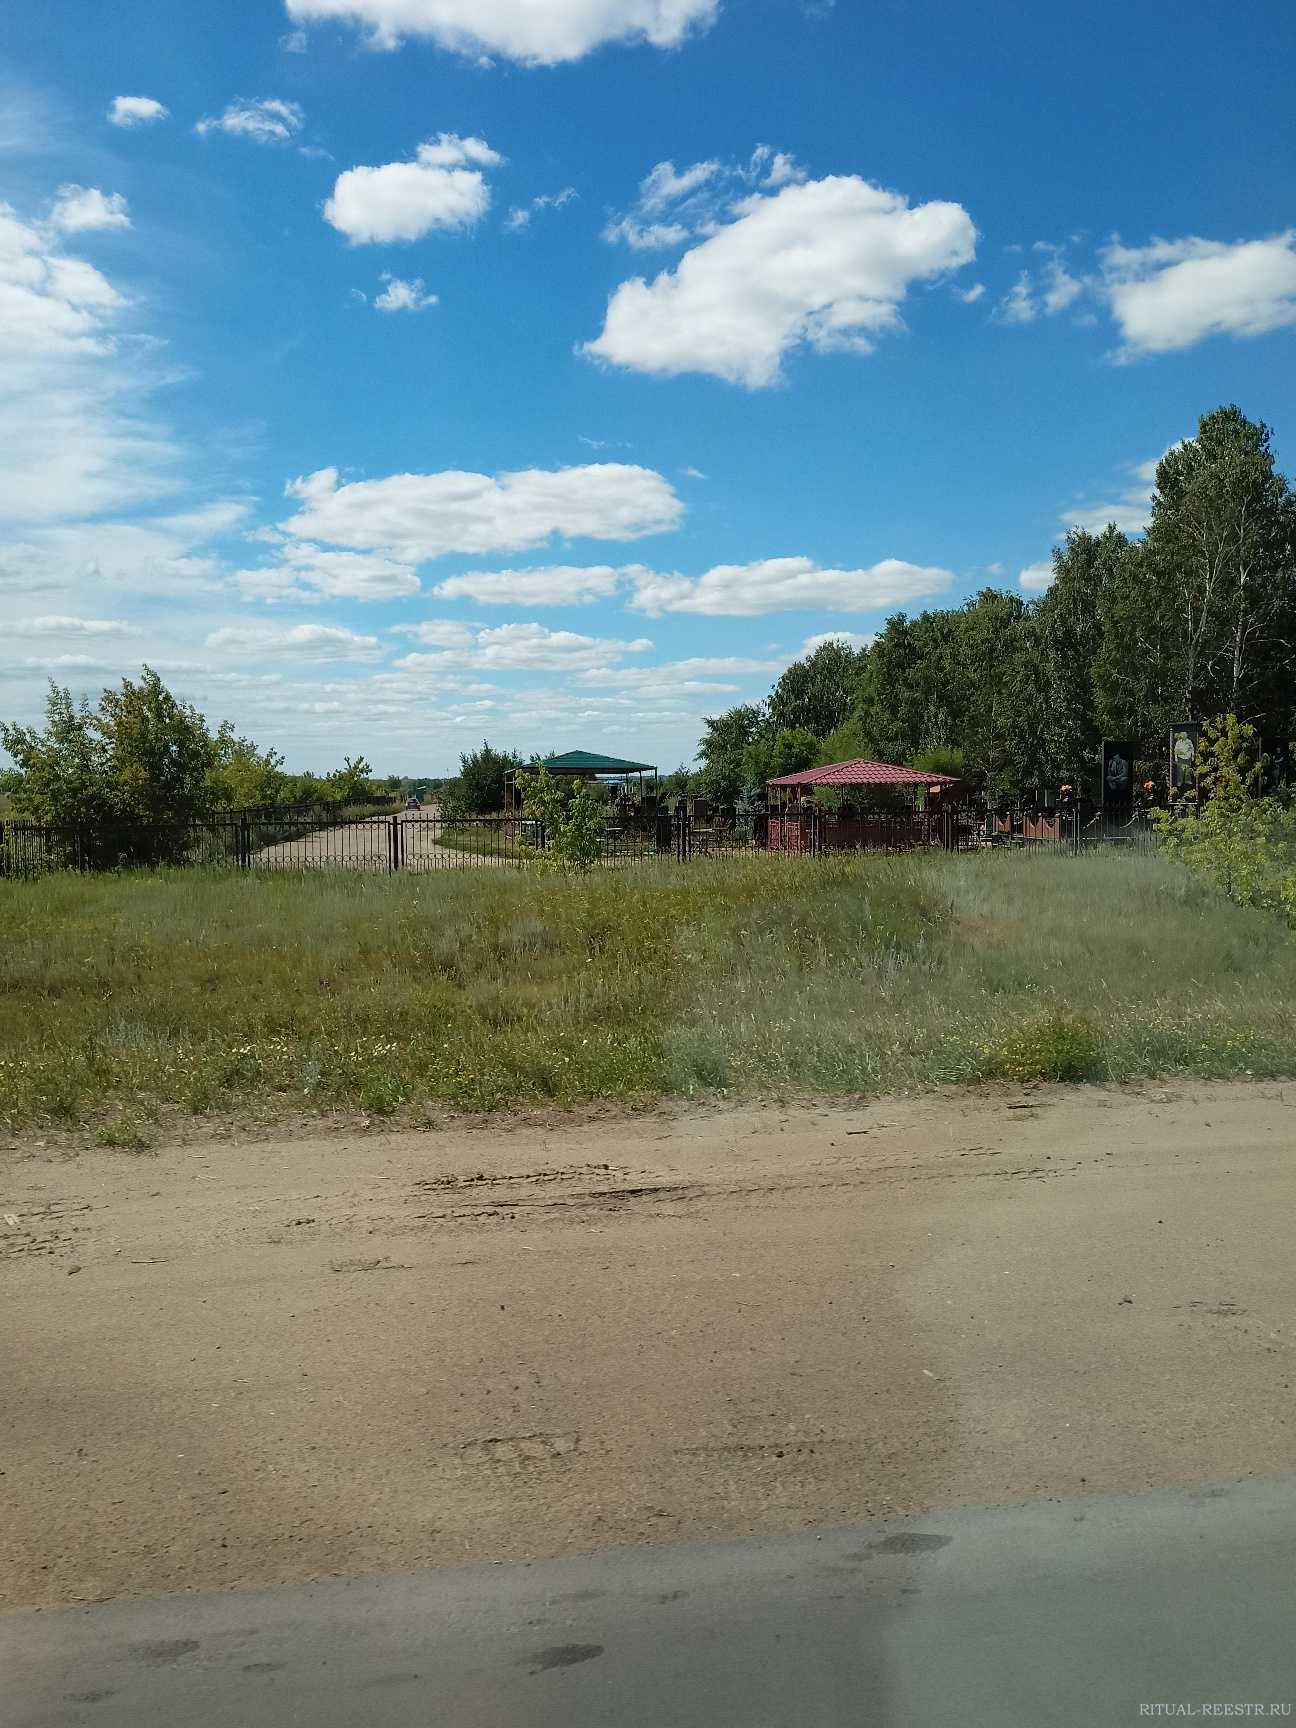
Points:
(582, 765)
(790, 801)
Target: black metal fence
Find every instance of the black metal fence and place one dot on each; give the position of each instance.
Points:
(420, 841)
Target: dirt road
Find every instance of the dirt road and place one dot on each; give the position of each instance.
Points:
(366, 845)
(252, 1362)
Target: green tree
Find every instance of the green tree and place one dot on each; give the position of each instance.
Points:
(59, 775)
(818, 693)
(724, 775)
(479, 786)
(1070, 619)
(241, 775)
(794, 748)
(350, 784)
(572, 818)
(141, 755)
(1204, 620)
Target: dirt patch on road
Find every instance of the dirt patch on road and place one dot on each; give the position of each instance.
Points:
(255, 1361)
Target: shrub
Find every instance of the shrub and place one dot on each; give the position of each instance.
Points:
(1243, 843)
(481, 779)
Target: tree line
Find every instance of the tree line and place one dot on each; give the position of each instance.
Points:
(143, 755)
(1195, 618)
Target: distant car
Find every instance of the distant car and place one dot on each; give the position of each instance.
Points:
(412, 803)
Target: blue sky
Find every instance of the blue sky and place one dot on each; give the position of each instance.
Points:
(391, 373)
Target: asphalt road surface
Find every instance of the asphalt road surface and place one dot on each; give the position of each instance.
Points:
(1077, 1614)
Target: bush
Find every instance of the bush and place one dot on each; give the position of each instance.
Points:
(480, 782)
(1243, 843)
(573, 822)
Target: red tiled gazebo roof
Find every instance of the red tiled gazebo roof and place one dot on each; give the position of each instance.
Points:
(864, 773)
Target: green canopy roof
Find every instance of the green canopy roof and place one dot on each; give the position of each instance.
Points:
(586, 762)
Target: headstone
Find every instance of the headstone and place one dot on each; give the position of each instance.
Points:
(1117, 775)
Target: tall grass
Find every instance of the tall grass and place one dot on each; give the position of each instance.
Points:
(140, 995)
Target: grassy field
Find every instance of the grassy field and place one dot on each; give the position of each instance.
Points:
(126, 999)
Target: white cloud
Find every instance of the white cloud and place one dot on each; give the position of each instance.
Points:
(1019, 305)
(676, 204)
(421, 516)
(1035, 578)
(536, 34)
(784, 170)
(825, 264)
(294, 42)
(1129, 510)
(78, 209)
(698, 676)
(438, 633)
(554, 585)
(137, 111)
(309, 573)
(149, 556)
(1061, 289)
(74, 437)
(520, 215)
(970, 296)
(851, 639)
(268, 120)
(1027, 299)
(646, 236)
(524, 648)
(303, 642)
(785, 585)
(665, 184)
(402, 296)
(56, 624)
(443, 187)
(1174, 293)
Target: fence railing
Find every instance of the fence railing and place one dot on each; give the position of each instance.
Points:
(422, 841)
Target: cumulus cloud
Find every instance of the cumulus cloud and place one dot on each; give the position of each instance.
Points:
(1174, 293)
(78, 209)
(58, 624)
(137, 111)
(1035, 578)
(268, 120)
(402, 296)
(824, 264)
(305, 572)
(785, 585)
(553, 585)
(420, 516)
(438, 633)
(543, 35)
(525, 648)
(443, 187)
(311, 643)
(970, 296)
